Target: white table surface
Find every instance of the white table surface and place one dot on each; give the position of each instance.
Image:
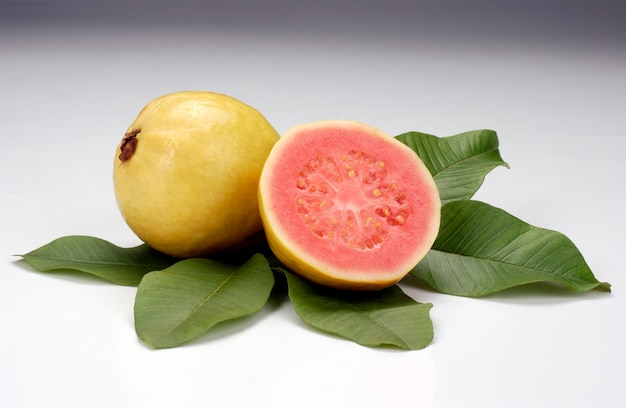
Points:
(551, 81)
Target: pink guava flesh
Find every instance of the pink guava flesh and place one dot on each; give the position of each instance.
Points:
(349, 201)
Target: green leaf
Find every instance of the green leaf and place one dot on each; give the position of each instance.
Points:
(481, 249)
(458, 163)
(95, 256)
(382, 318)
(185, 300)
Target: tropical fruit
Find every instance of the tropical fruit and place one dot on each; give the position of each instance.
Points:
(186, 172)
(347, 206)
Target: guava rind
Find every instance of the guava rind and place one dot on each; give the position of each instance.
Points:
(189, 188)
(319, 250)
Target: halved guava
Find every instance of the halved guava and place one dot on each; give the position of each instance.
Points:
(346, 205)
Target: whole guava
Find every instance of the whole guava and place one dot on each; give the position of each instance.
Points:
(187, 170)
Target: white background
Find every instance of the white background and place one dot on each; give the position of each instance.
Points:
(549, 77)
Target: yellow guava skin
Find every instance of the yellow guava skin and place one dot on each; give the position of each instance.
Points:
(189, 186)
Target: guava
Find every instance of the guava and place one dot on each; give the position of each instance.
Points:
(347, 206)
(186, 172)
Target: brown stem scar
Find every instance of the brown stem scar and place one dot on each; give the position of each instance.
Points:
(129, 144)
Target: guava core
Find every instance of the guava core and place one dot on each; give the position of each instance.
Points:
(186, 172)
(346, 205)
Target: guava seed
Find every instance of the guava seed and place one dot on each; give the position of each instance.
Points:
(350, 198)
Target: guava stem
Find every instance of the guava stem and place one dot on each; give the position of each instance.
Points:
(129, 144)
